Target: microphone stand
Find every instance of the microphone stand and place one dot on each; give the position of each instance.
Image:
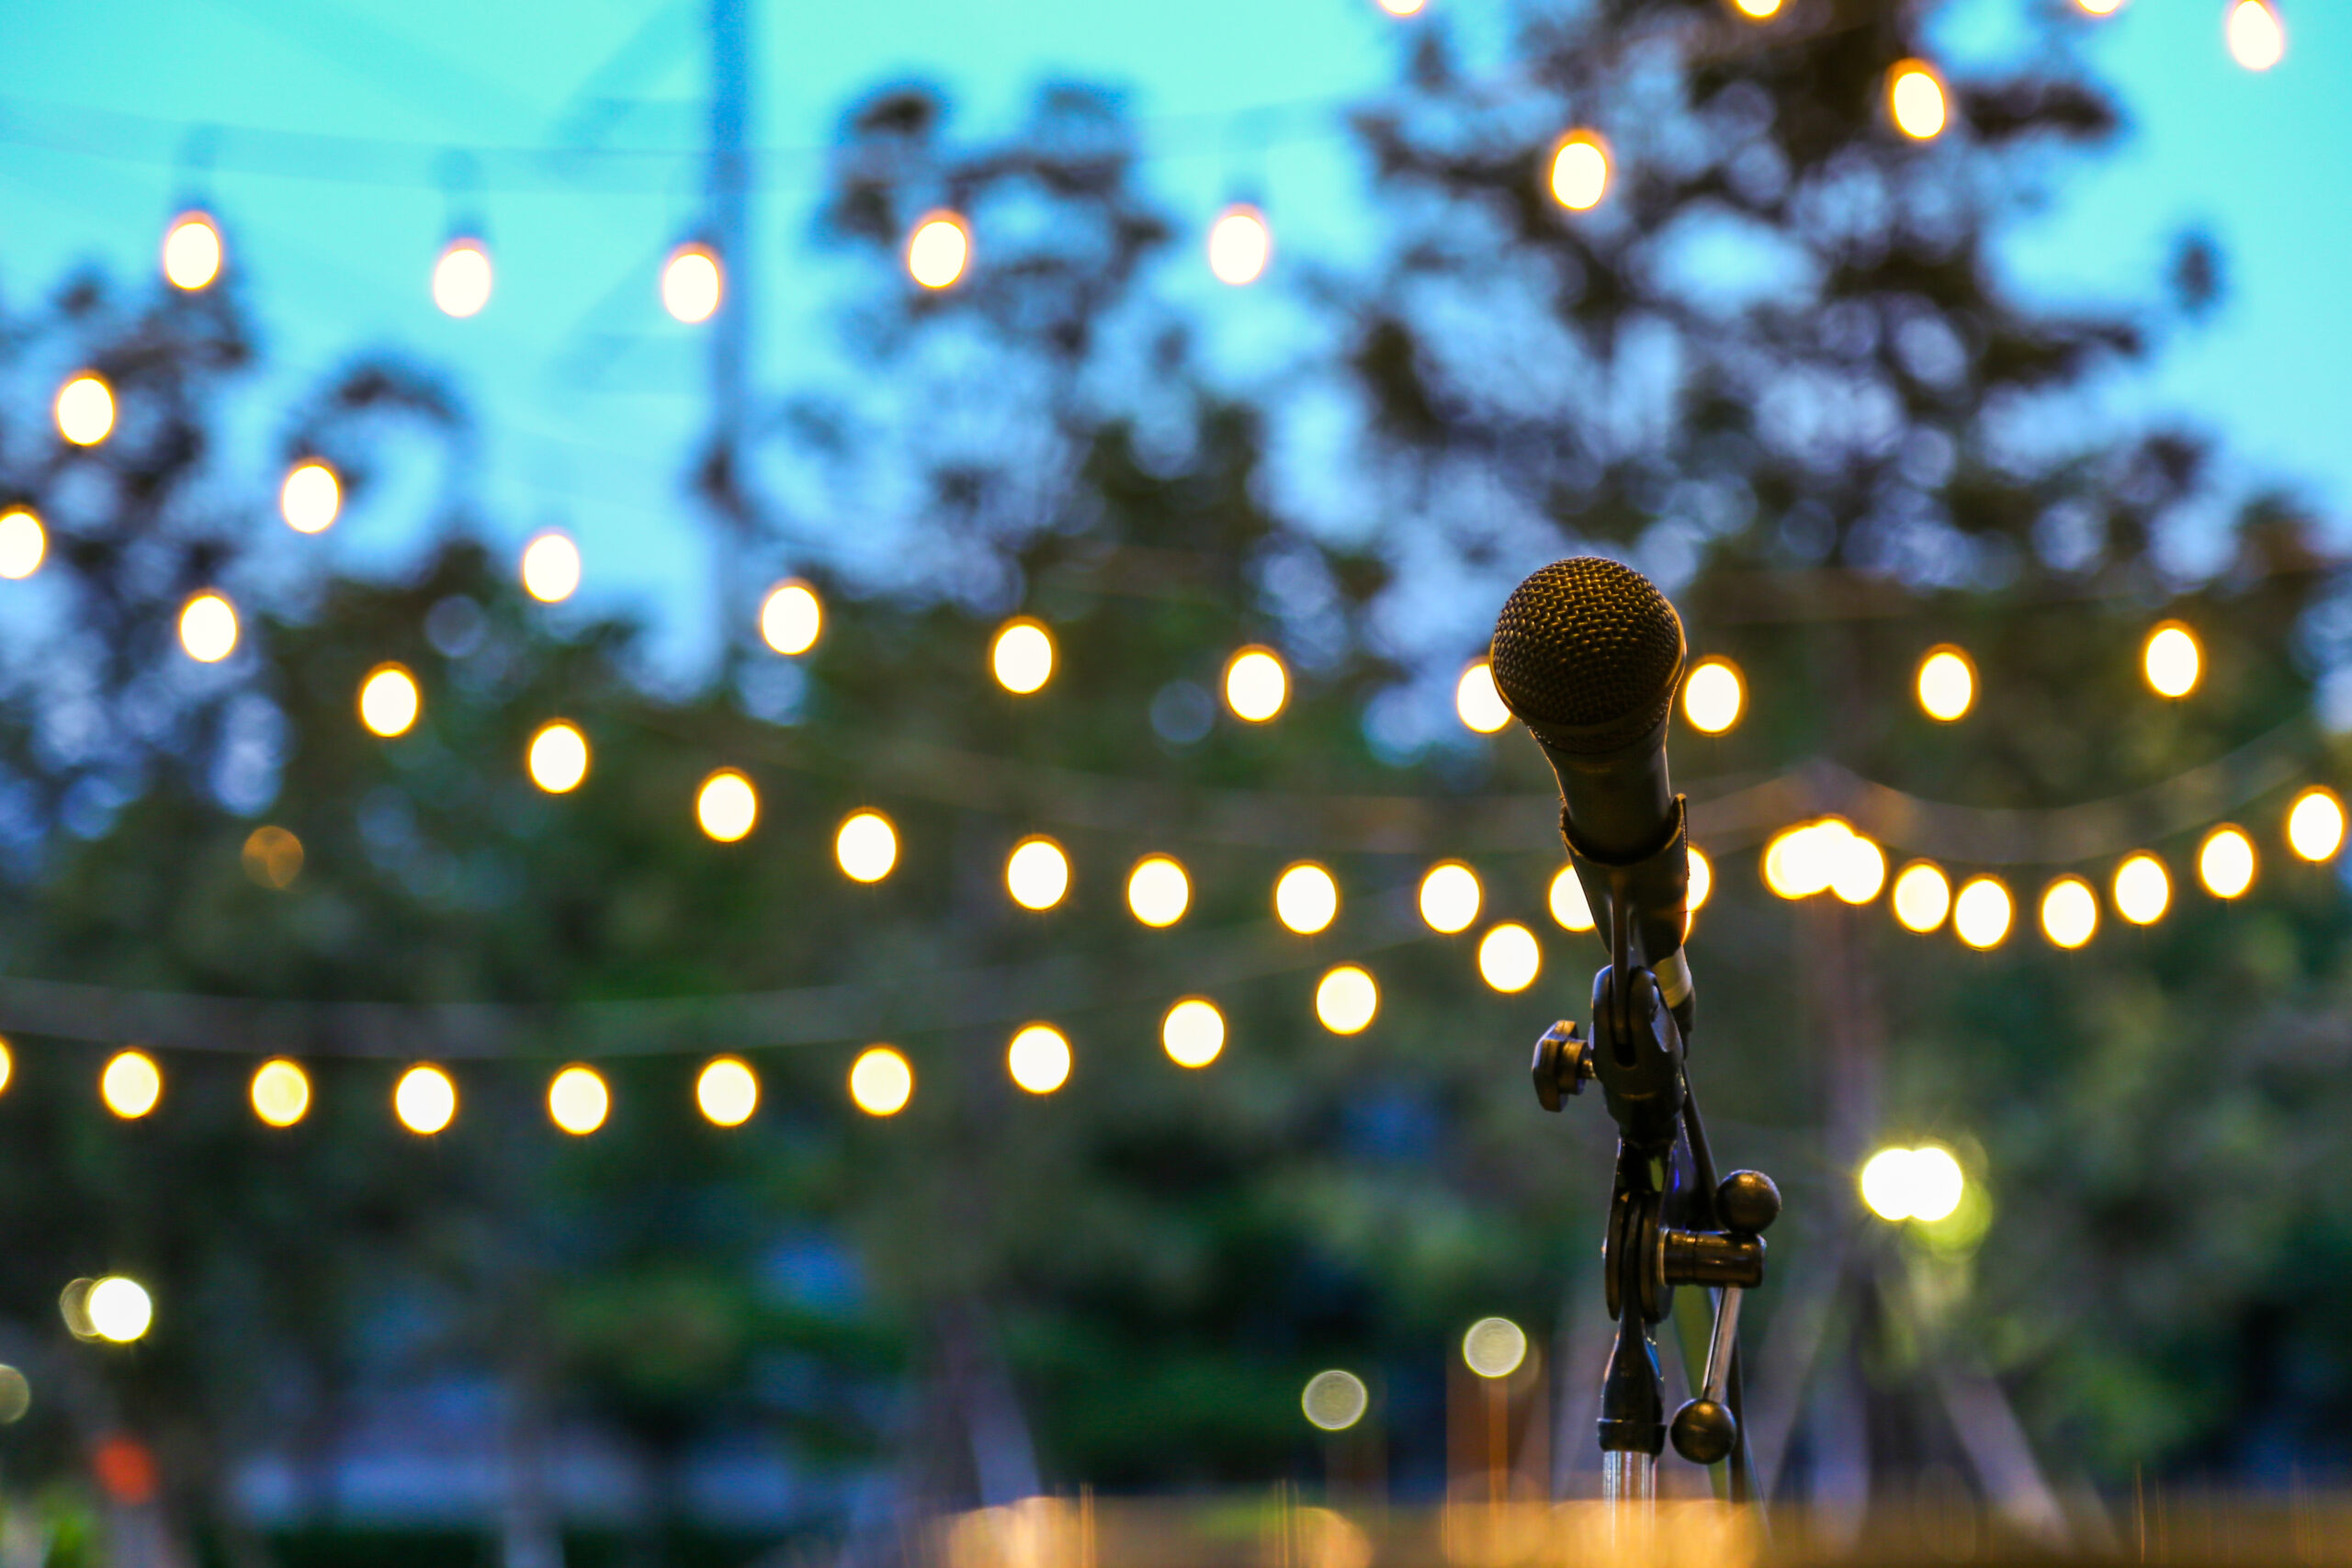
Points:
(1670, 1223)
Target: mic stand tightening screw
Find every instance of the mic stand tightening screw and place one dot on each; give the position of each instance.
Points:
(1563, 1064)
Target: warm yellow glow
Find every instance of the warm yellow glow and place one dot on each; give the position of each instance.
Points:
(1494, 1347)
(1569, 906)
(310, 497)
(2315, 824)
(2143, 890)
(389, 701)
(85, 409)
(273, 856)
(23, 543)
(1580, 171)
(1922, 896)
(791, 617)
(1334, 1401)
(1915, 95)
(1038, 1058)
(727, 1091)
(1947, 685)
(1859, 869)
(1703, 879)
(727, 806)
(1307, 899)
(2257, 37)
(1477, 702)
(939, 250)
(1981, 914)
(2100, 7)
(578, 1100)
(1758, 10)
(281, 1092)
(1193, 1032)
(1924, 1183)
(551, 567)
(1795, 866)
(1158, 891)
(866, 847)
(1825, 856)
(1345, 999)
(1021, 656)
(208, 628)
(691, 284)
(119, 1309)
(2225, 863)
(1450, 897)
(1036, 873)
(881, 1081)
(7, 1064)
(2172, 660)
(1256, 684)
(425, 1100)
(132, 1084)
(192, 251)
(558, 756)
(462, 278)
(1402, 8)
(1712, 696)
(2069, 912)
(1240, 244)
(1510, 958)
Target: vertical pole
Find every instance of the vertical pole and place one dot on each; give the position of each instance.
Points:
(728, 196)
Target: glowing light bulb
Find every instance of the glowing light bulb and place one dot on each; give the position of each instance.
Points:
(558, 759)
(551, 568)
(1477, 701)
(1861, 867)
(1449, 898)
(1935, 1184)
(1038, 1058)
(1021, 656)
(281, 1092)
(1400, 9)
(1240, 244)
(1887, 1185)
(1036, 873)
(1914, 97)
(7, 1064)
(1946, 684)
(208, 628)
(85, 409)
(119, 1309)
(462, 278)
(2315, 825)
(192, 252)
(1822, 857)
(1510, 958)
(727, 806)
(1580, 171)
(727, 1091)
(132, 1084)
(2100, 7)
(2225, 863)
(1307, 898)
(23, 543)
(1758, 10)
(1256, 684)
(578, 1100)
(1703, 879)
(1981, 914)
(866, 847)
(1494, 1347)
(1347, 1000)
(939, 250)
(425, 1100)
(389, 701)
(1193, 1032)
(1712, 696)
(1159, 891)
(2143, 889)
(2256, 37)
(691, 284)
(2069, 912)
(1569, 906)
(2172, 660)
(310, 497)
(1922, 896)
(791, 617)
(881, 1081)
(1334, 1401)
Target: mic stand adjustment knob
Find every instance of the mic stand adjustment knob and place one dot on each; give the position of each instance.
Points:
(1563, 1064)
(1705, 1431)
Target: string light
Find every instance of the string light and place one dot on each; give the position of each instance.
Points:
(551, 567)
(578, 1100)
(1946, 683)
(208, 627)
(866, 847)
(1823, 857)
(1307, 898)
(1038, 1058)
(7, 1064)
(281, 1092)
(1913, 1184)
(1758, 10)
(1860, 868)
(2069, 912)
(1400, 9)
(2172, 660)
(558, 759)
(1580, 176)
(192, 252)
(1159, 891)
(1256, 684)
(1510, 958)
(23, 543)
(939, 250)
(2100, 7)
(1494, 1347)
(1021, 656)
(310, 497)
(727, 1091)
(2225, 863)
(691, 284)
(2143, 889)
(1240, 244)
(462, 278)
(273, 856)
(1569, 906)
(2257, 38)
(131, 1084)
(389, 701)
(1449, 898)
(119, 1309)
(1334, 1401)
(85, 409)
(2315, 824)
(1036, 873)
(1980, 916)
(1193, 1032)
(1922, 896)
(425, 1100)
(727, 806)
(1703, 879)
(1477, 702)
(791, 617)
(1915, 95)
(881, 1081)
(1713, 694)
(1347, 1000)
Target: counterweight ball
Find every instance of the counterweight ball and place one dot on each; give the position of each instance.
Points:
(1705, 1431)
(1747, 1201)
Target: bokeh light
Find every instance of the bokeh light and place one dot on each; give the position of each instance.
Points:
(1307, 898)
(1981, 914)
(727, 1091)
(119, 1309)
(1036, 873)
(132, 1084)
(1922, 896)
(1859, 866)
(578, 1100)
(1038, 1058)
(23, 543)
(1758, 10)
(791, 617)
(881, 1081)
(1021, 656)
(1477, 702)
(389, 701)
(1256, 684)
(425, 1100)
(192, 252)
(2069, 912)
(1347, 1000)
(1494, 1347)
(1159, 891)
(1193, 1032)
(1450, 897)
(866, 847)
(2315, 824)
(462, 278)
(2172, 660)
(691, 284)
(273, 856)
(1569, 906)
(1822, 857)
(1240, 244)
(1925, 1183)
(2143, 889)
(1579, 175)
(1713, 694)
(1915, 95)
(209, 627)
(1334, 1401)
(551, 568)
(1946, 684)
(727, 806)
(2100, 7)
(2225, 862)
(310, 497)
(939, 250)
(1510, 958)
(2257, 37)
(1403, 8)
(85, 409)
(281, 1092)
(1703, 879)
(558, 759)
(7, 1064)
(16, 1396)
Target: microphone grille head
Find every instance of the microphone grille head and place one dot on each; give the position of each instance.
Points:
(1589, 653)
